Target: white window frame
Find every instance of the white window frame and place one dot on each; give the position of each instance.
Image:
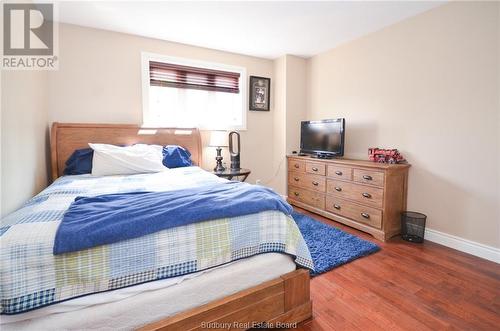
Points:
(147, 57)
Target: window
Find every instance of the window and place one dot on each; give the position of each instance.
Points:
(187, 93)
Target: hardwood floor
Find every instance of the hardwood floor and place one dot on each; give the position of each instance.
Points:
(406, 286)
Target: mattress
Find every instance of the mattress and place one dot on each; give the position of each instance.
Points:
(135, 306)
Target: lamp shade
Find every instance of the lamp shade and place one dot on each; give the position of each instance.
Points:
(219, 139)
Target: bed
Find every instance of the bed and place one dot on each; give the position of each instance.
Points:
(219, 294)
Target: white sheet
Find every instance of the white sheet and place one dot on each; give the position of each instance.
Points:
(135, 306)
(128, 160)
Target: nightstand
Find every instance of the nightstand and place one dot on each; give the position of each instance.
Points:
(229, 174)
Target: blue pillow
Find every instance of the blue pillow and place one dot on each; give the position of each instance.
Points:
(80, 162)
(175, 156)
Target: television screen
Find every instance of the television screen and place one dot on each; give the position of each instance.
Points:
(323, 137)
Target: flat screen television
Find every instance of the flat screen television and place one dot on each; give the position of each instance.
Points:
(323, 138)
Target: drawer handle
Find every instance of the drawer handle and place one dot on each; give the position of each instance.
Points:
(338, 189)
(315, 183)
(296, 165)
(365, 215)
(296, 179)
(367, 195)
(338, 173)
(336, 207)
(314, 169)
(367, 177)
(296, 194)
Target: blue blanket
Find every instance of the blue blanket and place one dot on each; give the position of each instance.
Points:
(106, 219)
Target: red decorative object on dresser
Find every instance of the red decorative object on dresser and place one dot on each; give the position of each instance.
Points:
(380, 155)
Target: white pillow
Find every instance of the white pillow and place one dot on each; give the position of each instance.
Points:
(128, 160)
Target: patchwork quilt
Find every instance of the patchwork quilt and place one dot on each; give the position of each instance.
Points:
(32, 277)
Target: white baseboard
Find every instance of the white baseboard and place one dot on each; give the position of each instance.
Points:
(463, 245)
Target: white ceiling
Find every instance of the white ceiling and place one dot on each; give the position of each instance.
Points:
(263, 29)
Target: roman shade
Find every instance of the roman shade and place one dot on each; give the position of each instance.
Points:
(179, 76)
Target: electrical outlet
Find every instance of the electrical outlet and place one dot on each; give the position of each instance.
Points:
(257, 182)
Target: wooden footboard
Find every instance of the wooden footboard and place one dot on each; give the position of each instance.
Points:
(276, 302)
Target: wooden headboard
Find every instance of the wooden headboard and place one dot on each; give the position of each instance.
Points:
(66, 137)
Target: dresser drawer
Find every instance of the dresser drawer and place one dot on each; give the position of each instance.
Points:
(313, 182)
(369, 177)
(339, 172)
(297, 165)
(314, 199)
(316, 168)
(366, 195)
(363, 214)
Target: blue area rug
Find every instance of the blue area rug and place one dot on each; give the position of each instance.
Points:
(331, 247)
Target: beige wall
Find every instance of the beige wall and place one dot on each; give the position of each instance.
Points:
(290, 109)
(24, 137)
(99, 80)
(429, 86)
(296, 100)
(278, 181)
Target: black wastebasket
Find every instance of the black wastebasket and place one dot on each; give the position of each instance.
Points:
(413, 226)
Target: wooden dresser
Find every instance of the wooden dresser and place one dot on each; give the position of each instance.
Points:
(362, 194)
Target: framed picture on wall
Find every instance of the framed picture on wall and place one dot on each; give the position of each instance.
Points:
(260, 93)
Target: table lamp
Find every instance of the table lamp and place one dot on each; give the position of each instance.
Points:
(219, 139)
